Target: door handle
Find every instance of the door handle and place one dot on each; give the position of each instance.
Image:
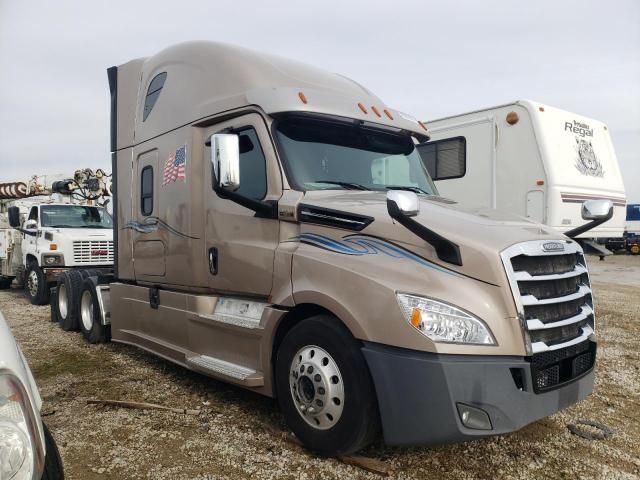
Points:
(213, 261)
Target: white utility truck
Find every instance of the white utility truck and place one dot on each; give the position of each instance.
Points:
(528, 159)
(45, 231)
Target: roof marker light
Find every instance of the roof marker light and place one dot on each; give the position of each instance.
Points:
(375, 110)
(541, 109)
(386, 112)
(364, 110)
(302, 97)
(540, 182)
(512, 118)
(422, 125)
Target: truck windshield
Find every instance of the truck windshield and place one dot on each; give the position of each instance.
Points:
(74, 216)
(322, 155)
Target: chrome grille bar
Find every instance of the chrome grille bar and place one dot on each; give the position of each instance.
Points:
(549, 314)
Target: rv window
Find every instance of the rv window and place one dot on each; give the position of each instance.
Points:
(253, 166)
(155, 87)
(445, 159)
(633, 212)
(146, 190)
(33, 214)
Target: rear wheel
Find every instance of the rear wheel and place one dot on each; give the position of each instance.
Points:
(68, 293)
(53, 469)
(324, 387)
(90, 314)
(35, 285)
(634, 249)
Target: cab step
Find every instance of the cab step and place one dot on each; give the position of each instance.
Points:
(216, 367)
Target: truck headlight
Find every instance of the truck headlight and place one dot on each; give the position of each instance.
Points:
(442, 322)
(19, 449)
(52, 260)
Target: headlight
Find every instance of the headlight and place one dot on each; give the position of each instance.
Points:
(52, 260)
(442, 322)
(18, 433)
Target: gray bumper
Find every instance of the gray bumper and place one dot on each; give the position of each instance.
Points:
(418, 394)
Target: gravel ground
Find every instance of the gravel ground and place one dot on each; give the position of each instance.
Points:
(233, 436)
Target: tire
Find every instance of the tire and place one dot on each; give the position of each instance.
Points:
(90, 315)
(68, 294)
(53, 469)
(35, 285)
(338, 387)
(53, 304)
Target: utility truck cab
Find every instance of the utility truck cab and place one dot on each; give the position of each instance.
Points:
(57, 237)
(276, 229)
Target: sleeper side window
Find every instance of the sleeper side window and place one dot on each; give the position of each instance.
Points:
(153, 92)
(146, 190)
(253, 165)
(445, 159)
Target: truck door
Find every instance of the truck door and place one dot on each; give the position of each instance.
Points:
(240, 247)
(31, 240)
(148, 242)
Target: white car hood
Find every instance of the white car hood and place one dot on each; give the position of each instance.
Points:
(13, 362)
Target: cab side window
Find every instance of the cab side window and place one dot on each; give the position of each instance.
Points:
(33, 214)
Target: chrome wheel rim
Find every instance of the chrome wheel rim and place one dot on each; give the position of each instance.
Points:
(316, 387)
(86, 310)
(32, 283)
(63, 301)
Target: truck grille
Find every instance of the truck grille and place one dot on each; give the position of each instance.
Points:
(94, 252)
(553, 297)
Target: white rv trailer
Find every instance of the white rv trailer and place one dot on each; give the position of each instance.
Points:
(529, 159)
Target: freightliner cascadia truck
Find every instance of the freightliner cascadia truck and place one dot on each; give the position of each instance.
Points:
(277, 229)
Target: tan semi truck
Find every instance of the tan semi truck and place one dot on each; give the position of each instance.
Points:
(276, 229)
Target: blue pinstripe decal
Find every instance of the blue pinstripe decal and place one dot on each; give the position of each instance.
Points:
(366, 245)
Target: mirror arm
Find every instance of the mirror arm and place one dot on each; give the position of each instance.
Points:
(263, 208)
(588, 226)
(446, 250)
(26, 232)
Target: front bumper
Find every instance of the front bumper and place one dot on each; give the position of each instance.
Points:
(52, 274)
(419, 394)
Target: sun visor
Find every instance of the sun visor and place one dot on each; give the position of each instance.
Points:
(367, 109)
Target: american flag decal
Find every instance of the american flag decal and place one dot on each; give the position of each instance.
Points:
(174, 169)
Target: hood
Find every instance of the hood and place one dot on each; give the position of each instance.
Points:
(480, 233)
(84, 233)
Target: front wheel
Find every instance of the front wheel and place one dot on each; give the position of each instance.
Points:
(324, 387)
(35, 285)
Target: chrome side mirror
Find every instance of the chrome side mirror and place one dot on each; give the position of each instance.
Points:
(31, 225)
(407, 202)
(596, 209)
(225, 160)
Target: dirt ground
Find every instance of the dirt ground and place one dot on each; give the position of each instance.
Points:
(234, 435)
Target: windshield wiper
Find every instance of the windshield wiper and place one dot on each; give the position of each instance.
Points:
(347, 185)
(407, 188)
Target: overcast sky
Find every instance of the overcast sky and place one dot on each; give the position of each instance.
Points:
(430, 59)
